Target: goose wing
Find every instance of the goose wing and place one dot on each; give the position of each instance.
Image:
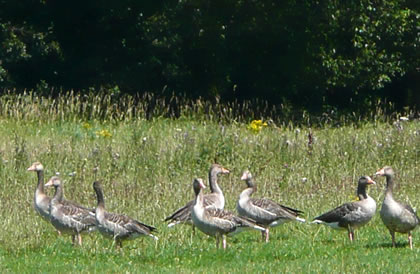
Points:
(79, 215)
(275, 208)
(339, 214)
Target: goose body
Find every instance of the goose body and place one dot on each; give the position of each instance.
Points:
(215, 199)
(352, 215)
(396, 216)
(68, 217)
(117, 226)
(217, 222)
(264, 212)
(41, 200)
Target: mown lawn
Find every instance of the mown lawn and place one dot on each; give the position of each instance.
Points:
(147, 167)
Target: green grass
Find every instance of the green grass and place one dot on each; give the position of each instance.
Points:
(147, 167)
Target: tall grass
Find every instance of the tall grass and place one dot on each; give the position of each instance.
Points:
(147, 164)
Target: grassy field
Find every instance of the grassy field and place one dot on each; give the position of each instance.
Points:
(147, 166)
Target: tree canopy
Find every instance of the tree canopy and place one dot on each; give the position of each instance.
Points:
(306, 52)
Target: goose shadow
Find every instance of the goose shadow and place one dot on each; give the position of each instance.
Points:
(386, 245)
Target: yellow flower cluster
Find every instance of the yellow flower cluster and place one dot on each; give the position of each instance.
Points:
(257, 125)
(86, 125)
(104, 133)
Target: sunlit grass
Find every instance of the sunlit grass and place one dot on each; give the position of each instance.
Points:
(147, 166)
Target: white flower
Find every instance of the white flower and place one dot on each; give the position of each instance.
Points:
(304, 179)
(403, 118)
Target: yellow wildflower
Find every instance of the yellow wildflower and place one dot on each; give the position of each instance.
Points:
(104, 133)
(86, 125)
(257, 125)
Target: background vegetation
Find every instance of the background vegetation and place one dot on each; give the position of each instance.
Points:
(147, 160)
(308, 53)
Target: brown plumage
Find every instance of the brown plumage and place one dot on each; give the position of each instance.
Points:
(217, 222)
(118, 226)
(215, 199)
(396, 216)
(69, 217)
(265, 212)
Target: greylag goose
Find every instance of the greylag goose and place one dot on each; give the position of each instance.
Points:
(217, 222)
(117, 226)
(68, 217)
(41, 200)
(397, 217)
(351, 215)
(265, 212)
(215, 199)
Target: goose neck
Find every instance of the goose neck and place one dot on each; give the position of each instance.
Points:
(361, 192)
(40, 186)
(246, 193)
(58, 195)
(214, 187)
(389, 185)
(100, 198)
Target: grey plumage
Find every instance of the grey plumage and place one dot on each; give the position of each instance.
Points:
(215, 199)
(396, 216)
(41, 200)
(264, 212)
(351, 215)
(118, 226)
(217, 222)
(69, 217)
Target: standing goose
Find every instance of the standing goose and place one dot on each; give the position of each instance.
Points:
(68, 217)
(215, 199)
(397, 217)
(265, 212)
(217, 222)
(41, 200)
(117, 226)
(351, 215)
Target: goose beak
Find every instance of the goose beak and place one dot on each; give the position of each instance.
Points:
(31, 168)
(49, 183)
(225, 171)
(380, 172)
(371, 182)
(243, 177)
(202, 185)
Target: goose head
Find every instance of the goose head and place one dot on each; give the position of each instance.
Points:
(54, 181)
(366, 180)
(198, 185)
(247, 177)
(36, 166)
(385, 171)
(218, 169)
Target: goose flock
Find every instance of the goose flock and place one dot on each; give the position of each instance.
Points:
(207, 213)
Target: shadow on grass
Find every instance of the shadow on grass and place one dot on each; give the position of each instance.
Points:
(387, 245)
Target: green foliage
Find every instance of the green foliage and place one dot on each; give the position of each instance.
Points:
(308, 53)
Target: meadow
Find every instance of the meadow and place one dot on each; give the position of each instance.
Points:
(146, 160)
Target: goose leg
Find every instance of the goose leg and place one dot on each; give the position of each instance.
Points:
(351, 235)
(79, 239)
(393, 238)
(410, 240)
(73, 239)
(224, 241)
(267, 235)
(119, 244)
(263, 235)
(217, 241)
